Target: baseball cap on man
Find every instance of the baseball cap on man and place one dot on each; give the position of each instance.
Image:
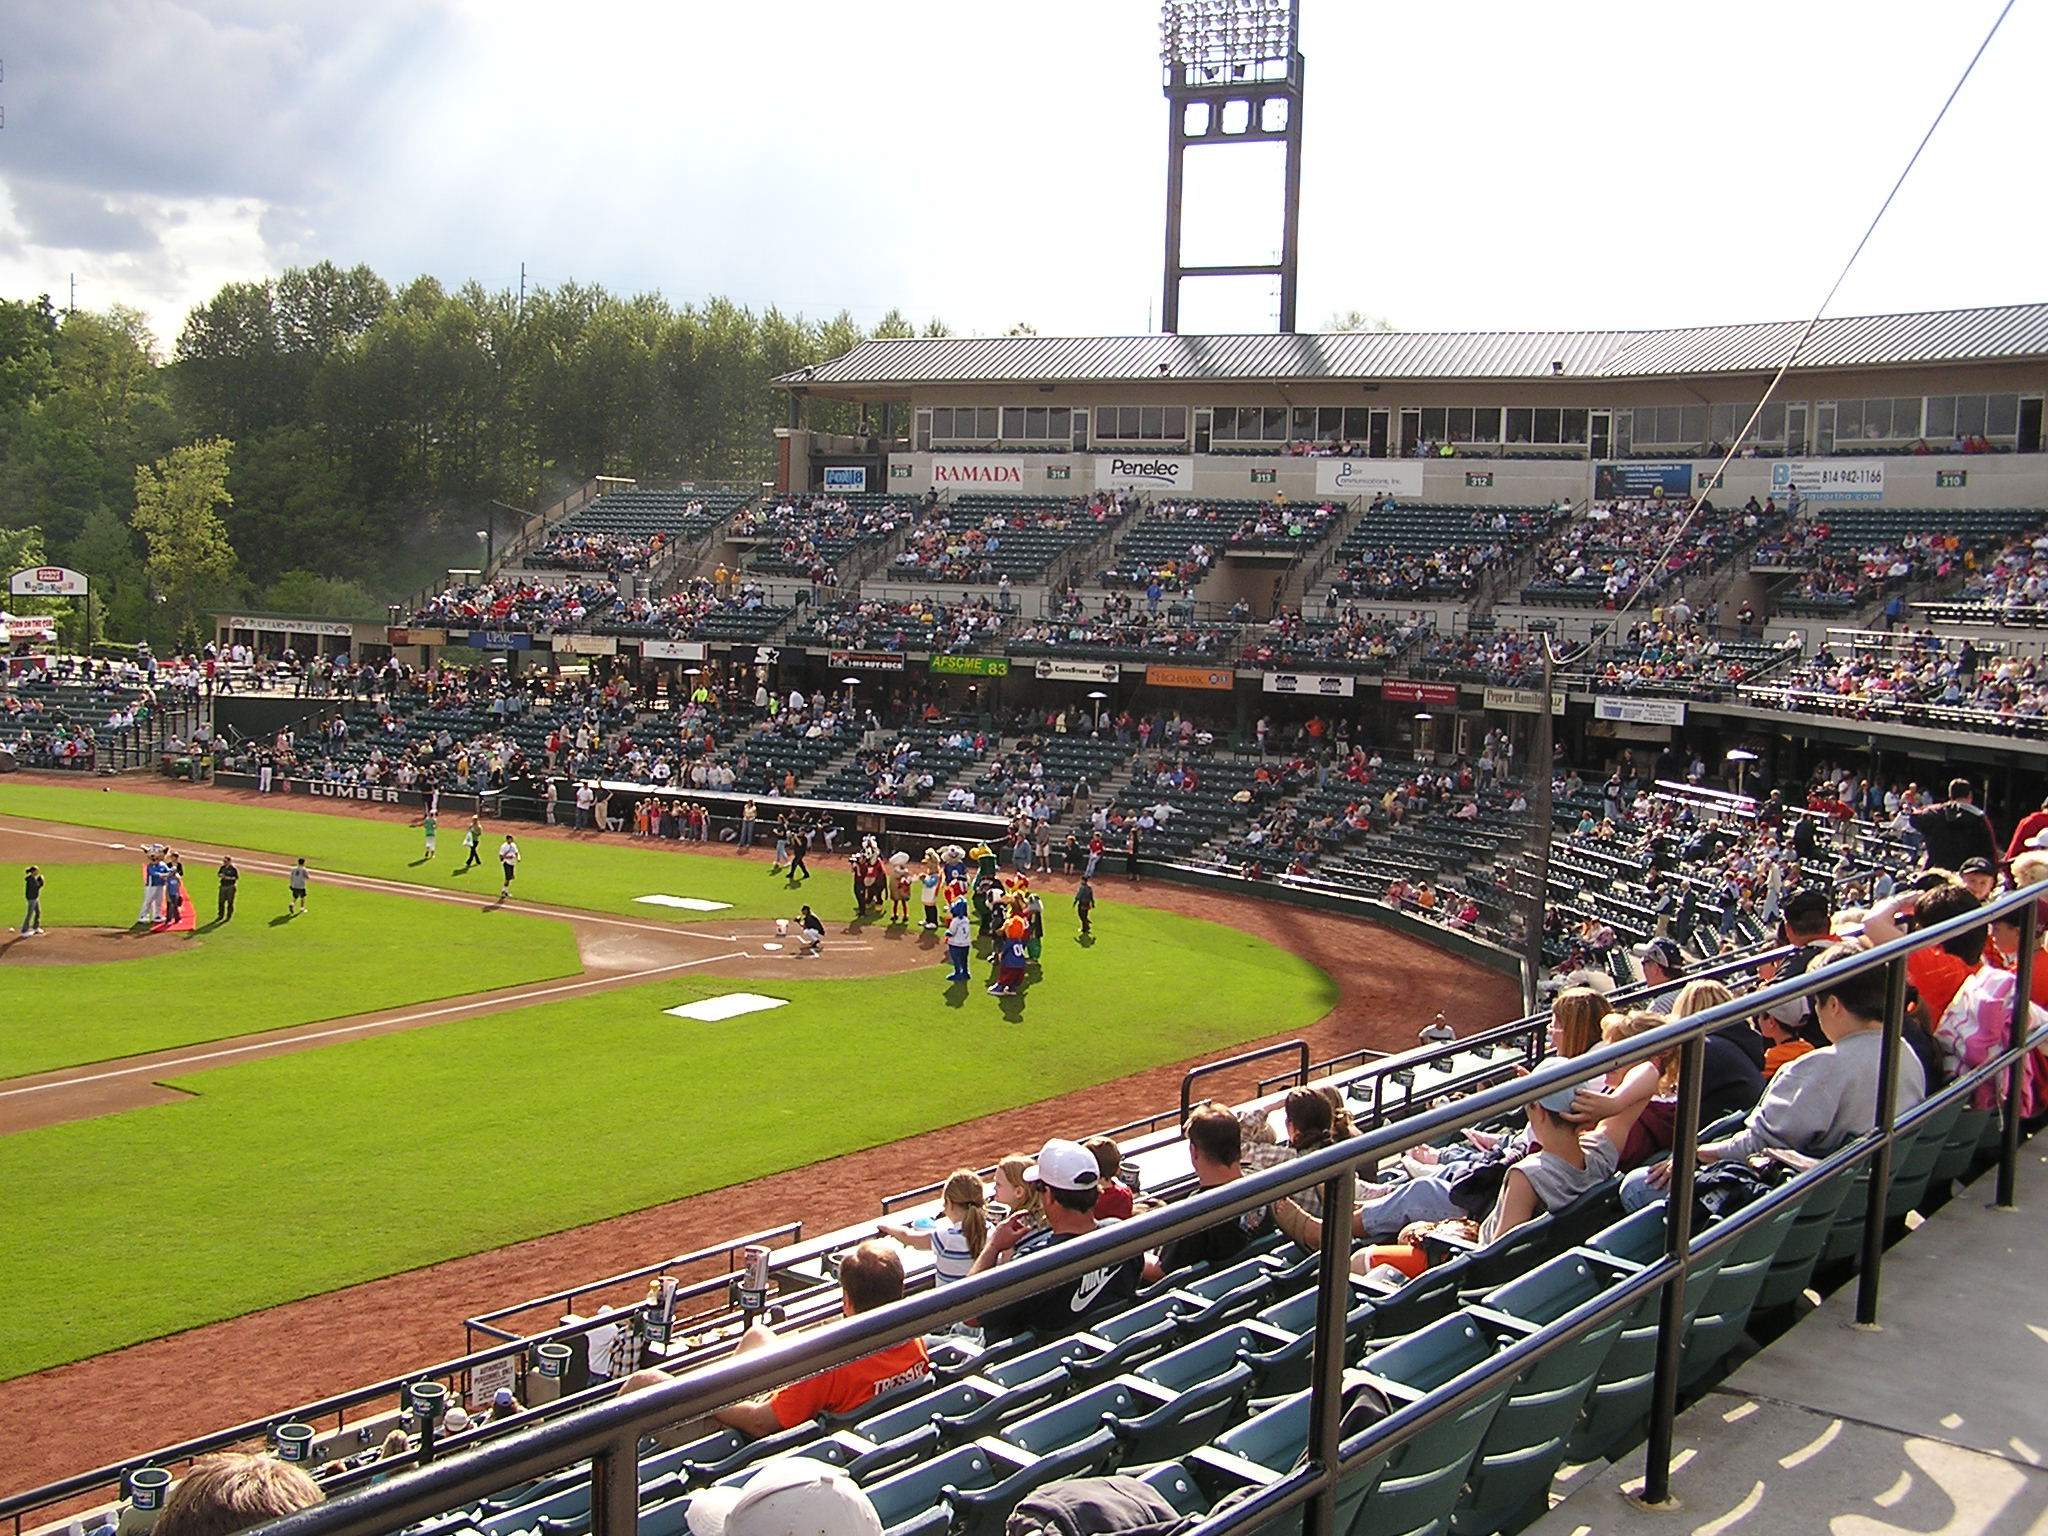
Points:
(789, 1496)
(1663, 951)
(1978, 866)
(1064, 1165)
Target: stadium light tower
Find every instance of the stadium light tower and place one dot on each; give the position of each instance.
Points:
(1233, 76)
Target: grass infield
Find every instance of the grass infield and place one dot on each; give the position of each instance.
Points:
(353, 952)
(598, 875)
(294, 1175)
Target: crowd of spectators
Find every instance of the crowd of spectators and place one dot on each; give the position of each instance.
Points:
(1352, 639)
(1640, 548)
(2015, 577)
(915, 624)
(1919, 669)
(939, 548)
(1149, 635)
(571, 550)
(584, 606)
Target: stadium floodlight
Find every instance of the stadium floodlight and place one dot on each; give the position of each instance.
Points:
(1233, 72)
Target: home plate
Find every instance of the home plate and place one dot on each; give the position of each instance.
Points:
(686, 903)
(771, 945)
(729, 1006)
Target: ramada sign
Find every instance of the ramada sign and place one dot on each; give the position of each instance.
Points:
(995, 473)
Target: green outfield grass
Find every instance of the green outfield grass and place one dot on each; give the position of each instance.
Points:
(598, 875)
(294, 1175)
(353, 952)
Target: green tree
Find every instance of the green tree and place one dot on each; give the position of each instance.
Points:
(1356, 320)
(105, 551)
(177, 502)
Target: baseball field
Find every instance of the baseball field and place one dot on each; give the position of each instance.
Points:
(259, 1181)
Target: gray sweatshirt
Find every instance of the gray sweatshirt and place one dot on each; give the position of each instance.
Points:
(1823, 1100)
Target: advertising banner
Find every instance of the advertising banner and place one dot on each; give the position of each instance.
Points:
(869, 661)
(34, 626)
(587, 645)
(1369, 477)
(47, 581)
(846, 477)
(1638, 480)
(289, 626)
(500, 640)
(970, 666)
(1321, 685)
(1401, 691)
(976, 472)
(400, 635)
(375, 794)
(672, 650)
(1523, 701)
(1144, 472)
(1219, 679)
(1640, 711)
(1079, 671)
(1829, 479)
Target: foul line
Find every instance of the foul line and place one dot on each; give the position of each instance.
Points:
(185, 1063)
(260, 863)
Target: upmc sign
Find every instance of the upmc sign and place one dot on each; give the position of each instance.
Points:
(1143, 472)
(977, 472)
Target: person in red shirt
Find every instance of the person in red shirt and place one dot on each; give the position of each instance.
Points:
(1113, 1198)
(1938, 972)
(869, 1276)
(2031, 826)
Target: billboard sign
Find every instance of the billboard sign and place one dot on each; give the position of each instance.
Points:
(1321, 685)
(1369, 477)
(1639, 480)
(846, 477)
(1829, 479)
(1144, 472)
(47, 581)
(976, 472)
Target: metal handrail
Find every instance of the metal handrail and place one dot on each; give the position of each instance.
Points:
(609, 1433)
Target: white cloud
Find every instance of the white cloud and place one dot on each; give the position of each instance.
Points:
(1589, 164)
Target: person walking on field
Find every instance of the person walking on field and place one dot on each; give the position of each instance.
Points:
(1084, 902)
(473, 839)
(431, 827)
(799, 840)
(229, 877)
(297, 883)
(508, 860)
(32, 888)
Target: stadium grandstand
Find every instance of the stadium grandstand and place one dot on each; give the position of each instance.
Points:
(1509, 866)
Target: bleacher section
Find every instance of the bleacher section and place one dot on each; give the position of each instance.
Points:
(1177, 543)
(1430, 550)
(1849, 555)
(814, 537)
(981, 538)
(627, 530)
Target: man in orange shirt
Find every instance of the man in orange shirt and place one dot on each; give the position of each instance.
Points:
(869, 1276)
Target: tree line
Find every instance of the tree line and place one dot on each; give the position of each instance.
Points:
(324, 440)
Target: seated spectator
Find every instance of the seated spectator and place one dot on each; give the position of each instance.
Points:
(1215, 1139)
(869, 1276)
(1115, 1200)
(1068, 1174)
(957, 1239)
(224, 1494)
(1563, 1163)
(1824, 1100)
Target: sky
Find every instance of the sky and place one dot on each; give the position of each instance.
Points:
(1494, 165)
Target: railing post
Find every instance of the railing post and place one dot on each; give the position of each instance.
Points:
(1879, 1193)
(1333, 1303)
(2022, 1016)
(615, 1488)
(1677, 1245)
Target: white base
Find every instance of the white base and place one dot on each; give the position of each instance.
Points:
(686, 903)
(729, 1006)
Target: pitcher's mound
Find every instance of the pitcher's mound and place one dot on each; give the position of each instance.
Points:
(89, 946)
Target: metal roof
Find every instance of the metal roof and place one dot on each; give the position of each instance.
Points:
(1866, 341)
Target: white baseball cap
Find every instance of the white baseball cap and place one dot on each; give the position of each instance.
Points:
(1065, 1165)
(789, 1496)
